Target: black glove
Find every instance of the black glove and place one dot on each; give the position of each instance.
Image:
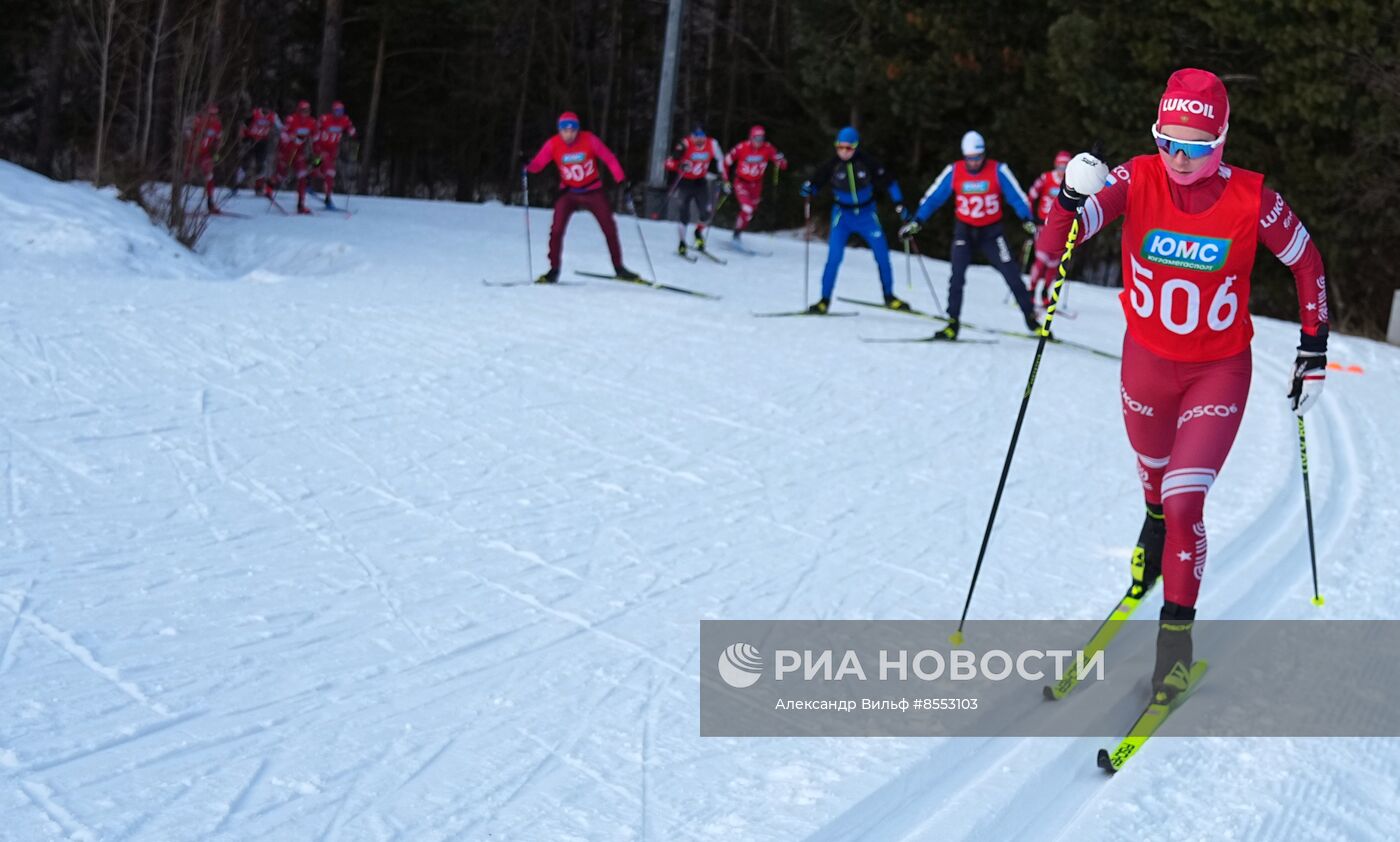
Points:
(1309, 376)
(1309, 371)
(807, 191)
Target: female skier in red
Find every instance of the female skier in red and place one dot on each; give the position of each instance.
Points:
(1191, 226)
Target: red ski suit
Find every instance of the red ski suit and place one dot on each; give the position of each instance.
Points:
(298, 131)
(1187, 251)
(330, 131)
(260, 124)
(1044, 190)
(749, 161)
(206, 131)
(583, 188)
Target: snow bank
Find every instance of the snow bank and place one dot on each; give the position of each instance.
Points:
(51, 231)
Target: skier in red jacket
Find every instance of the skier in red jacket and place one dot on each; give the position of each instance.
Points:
(257, 134)
(577, 154)
(331, 129)
(1044, 190)
(749, 160)
(1191, 226)
(691, 159)
(298, 131)
(202, 148)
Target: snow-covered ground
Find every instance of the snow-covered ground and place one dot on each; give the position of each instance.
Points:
(313, 535)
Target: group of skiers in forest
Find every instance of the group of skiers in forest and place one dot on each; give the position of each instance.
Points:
(1192, 226)
(981, 186)
(306, 145)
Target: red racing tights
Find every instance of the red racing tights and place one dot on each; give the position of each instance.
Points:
(1182, 418)
(596, 203)
(748, 193)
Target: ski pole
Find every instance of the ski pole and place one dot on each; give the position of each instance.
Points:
(632, 207)
(715, 211)
(666, 203)
(1027, 259)
(957, 637)
(806, 250)
(525, 200)
(1307, 505)
(356, 162)
(908, 268)
(927, 279)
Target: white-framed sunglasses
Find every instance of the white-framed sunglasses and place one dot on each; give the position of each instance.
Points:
(1192, 148)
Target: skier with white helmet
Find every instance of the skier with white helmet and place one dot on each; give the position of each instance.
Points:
(979, 185)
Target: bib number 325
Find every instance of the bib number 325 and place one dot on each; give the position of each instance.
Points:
(977, 206)
(1179, 309)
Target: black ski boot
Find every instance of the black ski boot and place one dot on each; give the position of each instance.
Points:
(949, 333)
(699, 241)
(1147, 555)
(895, 303)
(625, 274)
(1033, 325)
(550, 277)
(1172, 672)
(680, 249)
(820, 308)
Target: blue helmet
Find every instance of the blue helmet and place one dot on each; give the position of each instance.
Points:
(848, 135)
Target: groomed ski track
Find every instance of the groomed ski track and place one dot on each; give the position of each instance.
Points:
(315, 536)
(1034, 788)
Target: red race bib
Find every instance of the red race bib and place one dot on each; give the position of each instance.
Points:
(977, 196)
(1186, 276)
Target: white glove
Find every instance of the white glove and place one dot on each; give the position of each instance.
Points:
(1309, 376)
(1084, 176)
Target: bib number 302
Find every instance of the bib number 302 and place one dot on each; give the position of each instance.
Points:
(578, 172)
(1179, 309)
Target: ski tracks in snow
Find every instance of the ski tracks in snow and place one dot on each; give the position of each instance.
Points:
(398, 556)
(1011, 788)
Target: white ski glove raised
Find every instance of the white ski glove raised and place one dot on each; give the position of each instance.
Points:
(1084, 176)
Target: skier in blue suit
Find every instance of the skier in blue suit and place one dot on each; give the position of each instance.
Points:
(853, 177)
